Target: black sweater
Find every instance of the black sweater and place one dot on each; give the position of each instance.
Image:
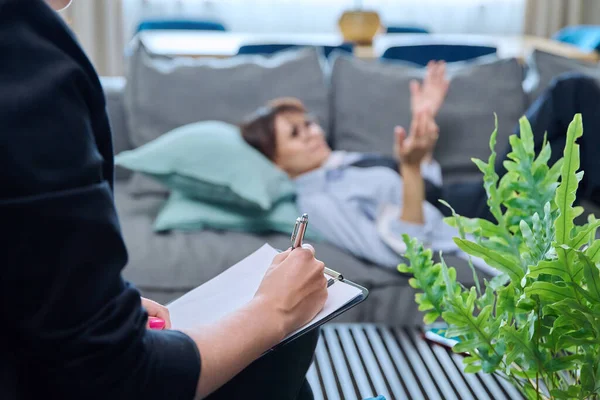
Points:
(71, 326)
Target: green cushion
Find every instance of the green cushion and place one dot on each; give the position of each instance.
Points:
(210, 161)
(183, 213)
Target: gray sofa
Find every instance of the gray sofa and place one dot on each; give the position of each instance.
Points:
(358, 102)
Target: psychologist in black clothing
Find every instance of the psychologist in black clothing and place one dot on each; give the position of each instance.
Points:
(72, 327)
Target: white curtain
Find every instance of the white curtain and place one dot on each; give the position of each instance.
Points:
(99, 27)
(546, 17)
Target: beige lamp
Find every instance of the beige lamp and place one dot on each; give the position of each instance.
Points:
(358, 25)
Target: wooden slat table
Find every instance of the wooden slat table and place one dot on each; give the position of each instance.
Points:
(357, 361)
(226, 44)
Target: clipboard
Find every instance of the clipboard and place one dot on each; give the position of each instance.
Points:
(357, 300)
(235, 286)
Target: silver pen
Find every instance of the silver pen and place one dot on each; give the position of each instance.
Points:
(299, 231)
(297, 239)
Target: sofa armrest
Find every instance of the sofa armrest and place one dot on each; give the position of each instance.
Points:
(114, 88)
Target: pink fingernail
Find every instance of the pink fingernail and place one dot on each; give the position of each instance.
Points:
(156, 323)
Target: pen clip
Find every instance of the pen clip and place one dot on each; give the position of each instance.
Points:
(295, 231)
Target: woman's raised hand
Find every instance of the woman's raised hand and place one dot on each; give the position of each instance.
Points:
(430, 94)
(411, 150)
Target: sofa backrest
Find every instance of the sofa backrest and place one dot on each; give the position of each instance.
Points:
(544, 67)
(359, 101)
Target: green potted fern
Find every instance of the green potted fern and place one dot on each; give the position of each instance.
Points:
(536, 324)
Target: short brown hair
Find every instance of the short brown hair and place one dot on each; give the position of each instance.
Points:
(258, 130)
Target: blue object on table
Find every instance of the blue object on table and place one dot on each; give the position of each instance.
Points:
(422, 54)
(376, 398)
(406, 29)
(183, 24)
(266, 49)
(585, 37)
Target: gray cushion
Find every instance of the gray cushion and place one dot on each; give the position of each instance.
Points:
(543, 67)
(163, 93)
(370, 98)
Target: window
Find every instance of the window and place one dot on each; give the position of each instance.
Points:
(320, 16)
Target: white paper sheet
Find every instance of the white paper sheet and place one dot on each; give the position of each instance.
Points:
(236, 286)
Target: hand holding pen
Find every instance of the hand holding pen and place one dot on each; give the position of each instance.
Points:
(294, 288)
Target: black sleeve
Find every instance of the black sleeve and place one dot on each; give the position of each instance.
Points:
(75, 328)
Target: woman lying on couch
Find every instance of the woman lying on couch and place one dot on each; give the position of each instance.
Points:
(357, 202)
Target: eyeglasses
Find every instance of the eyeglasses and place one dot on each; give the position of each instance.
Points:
(56, 6)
